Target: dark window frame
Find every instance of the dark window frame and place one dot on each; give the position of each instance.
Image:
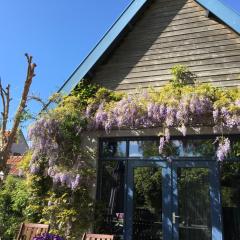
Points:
(156, 138)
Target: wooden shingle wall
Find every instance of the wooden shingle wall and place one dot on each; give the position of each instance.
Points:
(169, 33)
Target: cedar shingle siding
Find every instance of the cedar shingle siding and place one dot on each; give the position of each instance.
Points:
(169, 33)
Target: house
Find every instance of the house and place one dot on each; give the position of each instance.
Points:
(20, 145)
(145, 196)
(13, 163)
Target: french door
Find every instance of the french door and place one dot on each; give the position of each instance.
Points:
(172, 201)
(196, 203)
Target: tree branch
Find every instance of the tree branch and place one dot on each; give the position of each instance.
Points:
(20, 110)
(5, 96)
(37, 99)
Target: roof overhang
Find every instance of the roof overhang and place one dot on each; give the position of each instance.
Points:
(223, 12)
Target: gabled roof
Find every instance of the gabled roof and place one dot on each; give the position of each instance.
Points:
(217, 7)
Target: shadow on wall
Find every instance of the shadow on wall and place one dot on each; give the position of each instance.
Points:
(149, 26)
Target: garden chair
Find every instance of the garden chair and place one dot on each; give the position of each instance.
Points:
(90, 236)
(29, 230)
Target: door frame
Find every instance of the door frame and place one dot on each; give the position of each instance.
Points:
(170, 194)
(166, 193)
(214, 192)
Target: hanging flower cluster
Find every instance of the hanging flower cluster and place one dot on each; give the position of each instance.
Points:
(56, 137)
(223, 148)
(57, 153)
(189, 110)
(44, 135)
(183, 107)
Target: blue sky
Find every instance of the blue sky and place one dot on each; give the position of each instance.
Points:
(59, 34)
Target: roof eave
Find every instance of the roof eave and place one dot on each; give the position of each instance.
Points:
(223, 12)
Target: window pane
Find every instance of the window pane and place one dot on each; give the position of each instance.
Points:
(194, 204)
(191, 148)
(147, 209)
(114, 149)
(147, 148)
(110, 213)
(230, 189)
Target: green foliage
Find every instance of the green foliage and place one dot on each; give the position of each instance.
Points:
(148, 187)
(68, 212)
(59, 213)
(38, 186)
(84, 91)
(67, 215)
(25, 162)
(182, 75)
(13, 201)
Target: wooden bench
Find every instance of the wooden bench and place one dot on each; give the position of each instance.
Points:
(90, 236)
(29, 230)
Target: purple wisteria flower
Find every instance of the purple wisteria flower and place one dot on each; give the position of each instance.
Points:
(101, 117)
(170, 116)
(43, 135)
(216, 115)
(223, 148)
(48, 236)
(156, 113)
(34, 169)
(161, 144)
(237, 103)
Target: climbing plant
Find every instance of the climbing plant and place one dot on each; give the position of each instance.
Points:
(59, 162)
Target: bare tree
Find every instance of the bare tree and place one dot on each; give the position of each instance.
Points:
(7, 138)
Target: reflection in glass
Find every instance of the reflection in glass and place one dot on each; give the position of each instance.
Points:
(230, 189)
(114, 149)
(147, 210)
(235, 151)
(146, 148)
(194, 204)
(111, 204)
(192, 148)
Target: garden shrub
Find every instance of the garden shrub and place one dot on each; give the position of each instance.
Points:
(13, 202)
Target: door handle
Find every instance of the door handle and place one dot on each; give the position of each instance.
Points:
(174, 217)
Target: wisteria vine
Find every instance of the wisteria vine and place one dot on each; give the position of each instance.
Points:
(178, 107)
(52, 151)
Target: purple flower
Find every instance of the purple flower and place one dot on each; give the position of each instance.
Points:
(237, 103)
(167, 134)
(170, 116)
(215, 115)
(101, 116)
(56, 178)
(63, 178)
(223, 148)
(48, 236)
(34, 168)
(161, 145)
(76, 182)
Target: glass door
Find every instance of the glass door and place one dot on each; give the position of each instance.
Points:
(196, 201)
(148, 201)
